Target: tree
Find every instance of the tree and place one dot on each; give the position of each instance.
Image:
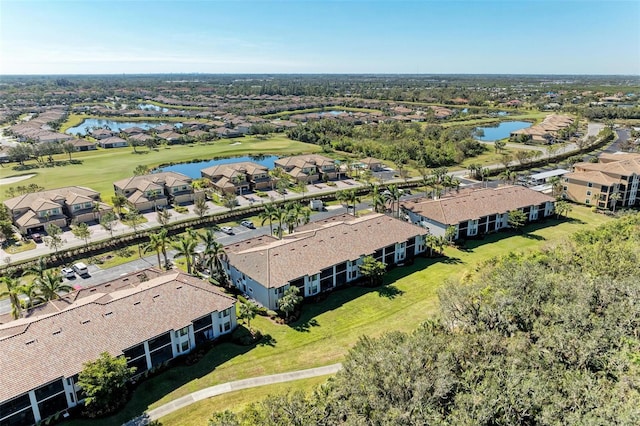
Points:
(517, 219)
(51, 285)
(119, 201)
(82, 232)
(103, 382)
(134, 218)
(185, 247)
(563, 208)
(373, 270)
(158, 242)
(140, 169)
(499, 145)
(13, 293)
(613, 200)
(213, 253)
(348, 198)
(508, 175)
(289, 301)
(69, 149)
(393, 195)
(229, 200)
(200, 207)
(556, 186)
(248, 311)
(163, 216)
(108, 222)
(54, 240)
(37, 268)
(296, 214)
(377, 200)
(268, 214)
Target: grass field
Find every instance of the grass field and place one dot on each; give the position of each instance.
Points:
(99, 169)
(198, 413)
(329, 328)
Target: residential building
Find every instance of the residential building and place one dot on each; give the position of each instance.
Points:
(372, 164)
(478, 212)
(309, 168)
(238, 178)
(149, 317)
(155, 190)
(595, 183)
(320, 256)
(33, 211)
(101, 133)
(113, 142)
(83, 145)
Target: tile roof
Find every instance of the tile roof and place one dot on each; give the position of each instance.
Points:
(455, 208)
(302, 161)
(57, 344)
(35, 199)
(153, 180)
(231, 169)
(593, 176)
(274, 262)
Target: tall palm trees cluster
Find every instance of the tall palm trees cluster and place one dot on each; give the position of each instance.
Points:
(285, 216)
(47, 285)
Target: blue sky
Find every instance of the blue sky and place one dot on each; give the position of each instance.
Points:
(354, 36)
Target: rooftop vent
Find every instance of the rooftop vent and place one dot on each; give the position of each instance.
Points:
(136, 303)
(29, 342)
(87, 321)
(55, 333)
(108, 314)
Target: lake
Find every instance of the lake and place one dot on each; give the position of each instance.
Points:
(503, 130)
(193, 169)
(116, 126)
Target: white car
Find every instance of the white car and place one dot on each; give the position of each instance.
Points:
(247, 224)
(227, 230)
(68, 273)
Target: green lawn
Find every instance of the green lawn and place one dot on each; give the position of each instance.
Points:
(198, 413)
(99, 169)
(329, 328)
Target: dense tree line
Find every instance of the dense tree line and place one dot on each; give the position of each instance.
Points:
(542, 339)
(431, 146)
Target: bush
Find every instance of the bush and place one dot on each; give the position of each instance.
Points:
(242, 299)
(272, 314)
(242, 336)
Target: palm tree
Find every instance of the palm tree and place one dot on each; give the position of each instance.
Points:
(213, 251)
(50, 285)
(248, 311)
(13, 292)
(508, 175)
(158, 242)
(613, 198)
(377, 200)
(296, 214)
(280, 216)
(31, 291)
(185, 246)
(394, 195)
(38, 268)
(556, 186)
(268, 214)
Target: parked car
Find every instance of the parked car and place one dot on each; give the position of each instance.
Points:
(68, 273)
(37, 238)
(227, 230)
(81, 269)
(248, 224)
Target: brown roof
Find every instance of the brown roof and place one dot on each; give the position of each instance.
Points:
(231, 169)
(593, 176)
(302, 161)
(274, 263)
(456, 208)
(154, 180)
(43, 199)
(57, 344)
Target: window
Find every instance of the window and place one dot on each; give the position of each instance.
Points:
(565, 187)
(588, 193)
(227, 326)
(590, 185)
(587, 201)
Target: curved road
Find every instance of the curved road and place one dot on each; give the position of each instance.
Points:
(223, 388)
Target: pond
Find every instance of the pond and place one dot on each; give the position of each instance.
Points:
(193, 169)
(501, 131)
(117, 126)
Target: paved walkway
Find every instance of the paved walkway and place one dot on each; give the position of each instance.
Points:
(212, 391)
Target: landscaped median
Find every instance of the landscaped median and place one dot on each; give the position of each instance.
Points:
(328, 328)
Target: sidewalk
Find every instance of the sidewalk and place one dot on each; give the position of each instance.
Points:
(223, 388)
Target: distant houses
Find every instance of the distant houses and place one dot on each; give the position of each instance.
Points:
(155, 190)
(309, 168)
(238, 178)
(33, 211)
